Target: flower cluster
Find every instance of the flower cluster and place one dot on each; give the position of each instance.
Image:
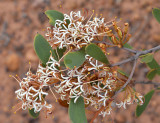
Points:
(74, 32)
(96, 82)
(32, 92)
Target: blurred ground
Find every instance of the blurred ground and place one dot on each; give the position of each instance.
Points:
(20, 20)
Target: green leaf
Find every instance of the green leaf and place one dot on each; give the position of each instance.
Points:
(158, 71)
(73, 59)
(156, 14)
(153, 64)
(33, 114)
(147, 58)
(77, 111)
(54, 15)
(151, 74)
(58, 54)
(122, 72)
(42, 48)
(126, 45)
(158, 88)
(96, 52)
(147, 98)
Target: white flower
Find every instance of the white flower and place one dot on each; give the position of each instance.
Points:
(103, 98)
(75, 33)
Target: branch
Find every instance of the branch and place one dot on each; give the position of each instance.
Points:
(130, 50)
(136, 56)
(136, 52)
(149, 82)
(129, 78)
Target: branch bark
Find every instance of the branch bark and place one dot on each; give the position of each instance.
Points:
(136, 56)
(129, 78)
(148, 82)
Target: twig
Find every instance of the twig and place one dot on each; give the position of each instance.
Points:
(130, 50)
(149, 82)
(136, 56)
(129, 78)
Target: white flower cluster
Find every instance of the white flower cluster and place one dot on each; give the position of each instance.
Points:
(31, 93)
(94, 81)
(137, 98)
(73, 82)
(74, 31)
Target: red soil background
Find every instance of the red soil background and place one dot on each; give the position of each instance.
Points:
(20, 20)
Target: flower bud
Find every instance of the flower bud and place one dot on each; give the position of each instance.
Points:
(120, 34)
(126, 28)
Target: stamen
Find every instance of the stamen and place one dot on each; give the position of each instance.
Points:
(57, 54)
(65, 54)
(15, 78)
(91, 16)
(17, 110)
(18, 77)
(53, 93)
(29, 66)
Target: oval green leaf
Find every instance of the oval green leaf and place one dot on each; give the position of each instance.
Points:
(151, 74)
(141, 108)
(74, 59)
(153, 64)
(148, 58)
(33, 114)
(42, 48)
(54, 15)
(77, 111)
(94, 51)
(156, 14)
(158, 70)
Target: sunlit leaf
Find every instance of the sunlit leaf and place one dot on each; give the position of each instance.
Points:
(147, 58)
(54, 15)
(42, 48)
(94, 51)
(77, 111)
(74, 59)
(147, 98)
(33, 114)
(156, 14)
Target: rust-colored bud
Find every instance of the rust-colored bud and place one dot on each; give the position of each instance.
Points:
(126, 28)
(102, 45)
(120, 34)
(114, 25)
(109, 33)
(115, 41)
(106, 29)
(129, 36)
